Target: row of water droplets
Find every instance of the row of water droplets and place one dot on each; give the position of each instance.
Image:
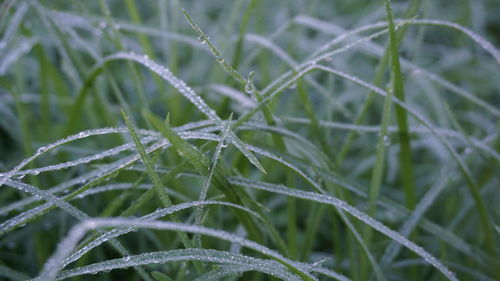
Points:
(70, 241)
(103, 173)
(158, 213)
(43, 149)
(215, 256)
(85, 160)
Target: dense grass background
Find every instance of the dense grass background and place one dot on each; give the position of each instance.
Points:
(304, 140)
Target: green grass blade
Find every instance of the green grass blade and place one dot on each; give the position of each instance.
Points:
(202, 165)
(407, 177)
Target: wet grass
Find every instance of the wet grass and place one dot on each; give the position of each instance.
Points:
(249, 140)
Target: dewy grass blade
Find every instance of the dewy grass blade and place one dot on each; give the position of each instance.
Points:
(247, 263)
(405, 159)
(157, 185)
(204, 39)
(208, 180)
(248, 83)
(69, 243)
(75, 212)
(326, 199)
(159, 213)
(180, 85)
(202, 165)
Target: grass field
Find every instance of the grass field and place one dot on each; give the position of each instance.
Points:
(249, 140)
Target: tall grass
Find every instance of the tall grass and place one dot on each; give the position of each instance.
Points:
(249, 140)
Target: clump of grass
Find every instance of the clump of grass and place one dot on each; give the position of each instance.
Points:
(246, 141)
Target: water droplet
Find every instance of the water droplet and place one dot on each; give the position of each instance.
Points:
(202, 40)
(387, 141)
(248, 88)
(35, 173)
(224, 144)
(416, 71)
(126, 258)
(293, 85)
(41, 150)
(220, 60)
(102, 24)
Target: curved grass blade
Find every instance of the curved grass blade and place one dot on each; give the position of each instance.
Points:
(53, 265)
(180, 85)
(159, 213)
(246, 263)
(326, 199)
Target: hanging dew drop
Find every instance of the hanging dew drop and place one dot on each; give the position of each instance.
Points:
(248, 88)
(102, 24)
(41, 150)
(293, 85)
(126, 258)
(224, 144)
(220, 60)
(202, 40)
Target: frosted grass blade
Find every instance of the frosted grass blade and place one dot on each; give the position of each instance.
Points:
(326, 199)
